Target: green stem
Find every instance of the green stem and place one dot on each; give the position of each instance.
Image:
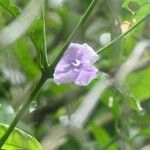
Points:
(22, 110)
(81, 22)
(122, 35)
(45, 58)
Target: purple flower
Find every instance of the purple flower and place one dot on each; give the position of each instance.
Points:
(76, 65)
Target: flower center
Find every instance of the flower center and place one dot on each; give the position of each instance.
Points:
(76, 63)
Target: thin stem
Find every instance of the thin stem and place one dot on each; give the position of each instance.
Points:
(45, 58)
(81, 22)
(122, 35)
(22, 110)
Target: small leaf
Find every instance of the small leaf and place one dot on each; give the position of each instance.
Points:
(134, 103)
(36, 35)
(19, 140)
(37, 38)
(129, 98)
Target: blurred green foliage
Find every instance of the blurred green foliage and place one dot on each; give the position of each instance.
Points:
(113, 116)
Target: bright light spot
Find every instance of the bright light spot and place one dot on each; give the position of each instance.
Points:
(10, 110)
(110, 102)
(33, 106)
(105, 38)
(125, 26)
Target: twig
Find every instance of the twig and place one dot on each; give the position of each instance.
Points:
(81, 22)
(45, 58)
(122, 35)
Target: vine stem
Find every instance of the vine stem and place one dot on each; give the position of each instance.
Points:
(81, 22)
(22, 110)
(45, 58)
(122, 35)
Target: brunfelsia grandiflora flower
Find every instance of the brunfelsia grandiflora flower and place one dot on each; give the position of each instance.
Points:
(76, 65)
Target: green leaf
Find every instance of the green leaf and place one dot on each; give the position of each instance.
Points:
(129, 98)
(19, 140)
(133, 103)
(102, 137)
(36, 34)
(13, 10)
(139, 84)
(143, 11)
(121, 92)
(37, 38)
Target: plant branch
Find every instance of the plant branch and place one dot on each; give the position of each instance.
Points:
(122, 35)
(45, 58)
(81, 22)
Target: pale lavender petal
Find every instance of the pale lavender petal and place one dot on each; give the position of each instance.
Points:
(62, 66)
(89, 54)
(64, 77)
(73, 52)
(86, 75)
(63, 72)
